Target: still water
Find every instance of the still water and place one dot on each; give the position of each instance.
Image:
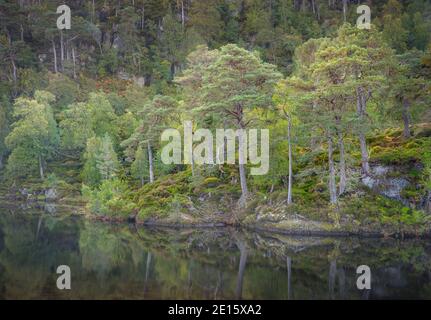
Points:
(125, 262)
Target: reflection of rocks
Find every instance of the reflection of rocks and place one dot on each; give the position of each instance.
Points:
(1, 240)
(387, 280)
(427, 202)
(50, 208)
(51, 194)
(157, 263)
(25, 193)
(395, 278)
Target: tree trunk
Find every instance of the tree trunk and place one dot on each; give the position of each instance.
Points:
(241, 269)
(41, 168)
(14, 71)
(93, 12)
(242, 161)
(22, 32)
(39, 225)
(345, 10)
(1, 161)
(143, 17)
(428, 203)
(289, 277)
(289, 140)
(332, 277)
(332, 186)
(364, 154)
(313, 141)
(183, 18)
(243, 181)
(343, 176)
(303, 5)
(150, 162)
(193, 165)
(406, 118)
(361, 108)
(74, 62)
(148, 264)
(147, 270)
(341, 283)
(55, 56)
(61, 51)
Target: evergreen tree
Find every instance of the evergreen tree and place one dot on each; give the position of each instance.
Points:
(409, 89)
(234, 83)
(139, 165)
(90, 173)
(4, 128)
(106, 159)
(101, 162)
(155, 117)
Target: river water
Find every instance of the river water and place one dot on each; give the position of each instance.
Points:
(126, 262)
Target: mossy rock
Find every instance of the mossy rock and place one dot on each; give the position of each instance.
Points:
(211, 182)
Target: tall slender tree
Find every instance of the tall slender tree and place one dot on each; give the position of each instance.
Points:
(237, 81)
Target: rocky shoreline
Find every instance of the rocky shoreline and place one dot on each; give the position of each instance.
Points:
(274, 229)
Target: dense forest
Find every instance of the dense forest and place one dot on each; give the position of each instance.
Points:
(82, 110)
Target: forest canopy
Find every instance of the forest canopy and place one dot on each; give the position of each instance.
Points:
(83, 109)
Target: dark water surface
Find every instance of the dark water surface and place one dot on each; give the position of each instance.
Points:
(125, 262)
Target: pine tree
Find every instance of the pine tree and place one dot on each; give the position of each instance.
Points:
(394, 32)
(409, 88)
(106, 159)
(90, 173)
(234, 83)
(155, 117)
(4, 128)
(139, 165)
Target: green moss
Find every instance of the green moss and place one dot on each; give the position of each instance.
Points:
(211, 181)
(156, 199)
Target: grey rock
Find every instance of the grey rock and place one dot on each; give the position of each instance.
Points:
(50, 208)
(382, 183)
(51, 194)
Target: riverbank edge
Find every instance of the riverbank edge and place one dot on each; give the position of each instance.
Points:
(341, 233)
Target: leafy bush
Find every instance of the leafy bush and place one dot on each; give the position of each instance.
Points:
(109, 198)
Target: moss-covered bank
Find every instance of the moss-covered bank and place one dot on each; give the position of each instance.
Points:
(393, 201)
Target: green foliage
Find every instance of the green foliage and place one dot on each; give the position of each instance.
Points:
(22, 163)
(139, 166)
(101, 162)
(34, 134)
(52, 180)
(108, 199)
(155, 200)
(4, 128)
(64, 89)
(426, 160)
(76, 127)
(102, 115)
(108, 62)
(220, 64)
(391, 148)
(406, 217)
(106, 159)
(90, 173)
(236, 81)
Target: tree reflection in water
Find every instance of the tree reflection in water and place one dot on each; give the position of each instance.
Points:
(122, 261)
